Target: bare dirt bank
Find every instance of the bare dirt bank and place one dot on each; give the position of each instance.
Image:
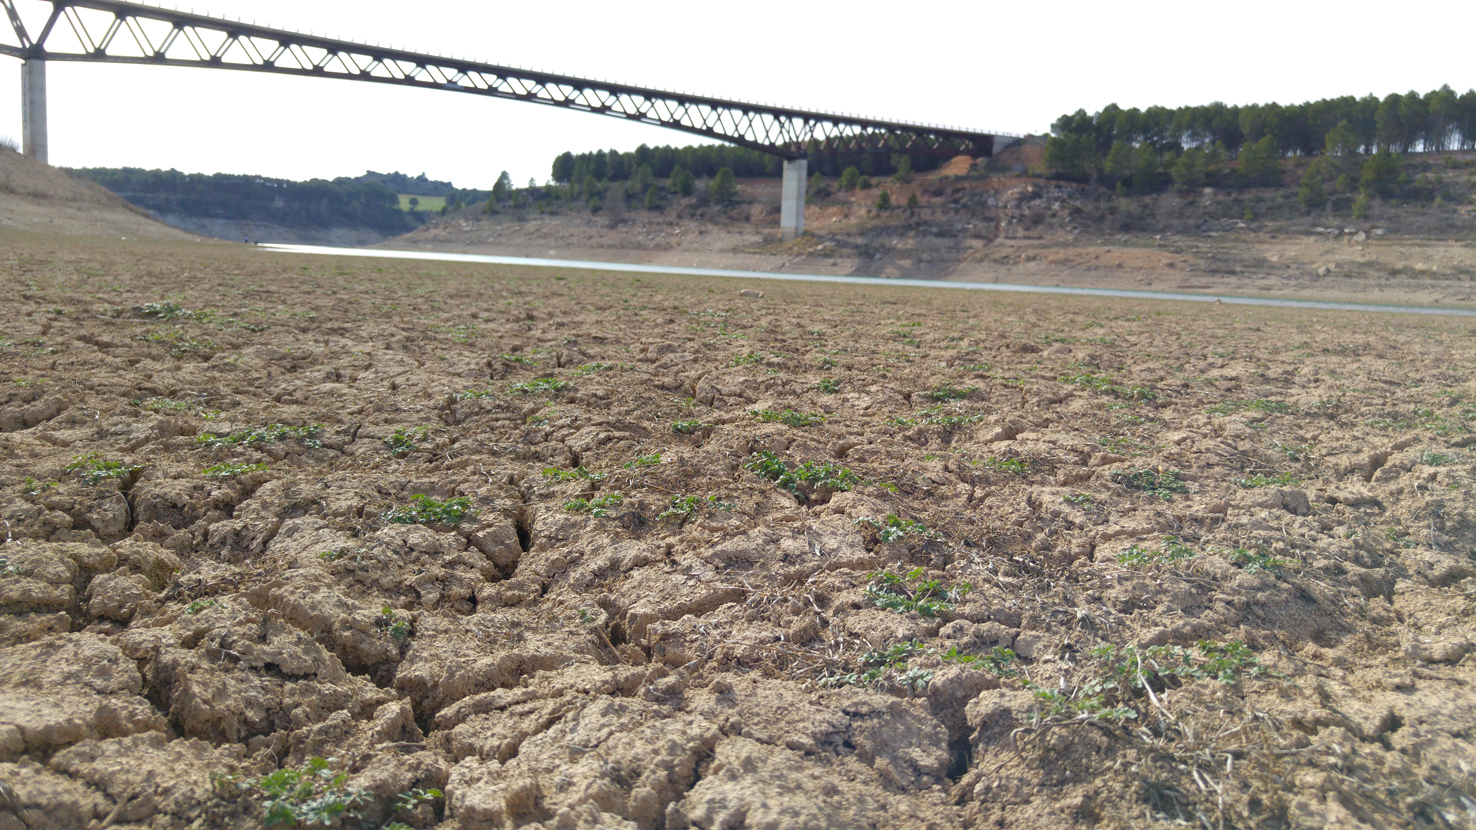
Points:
(41, 198)
(583, 550)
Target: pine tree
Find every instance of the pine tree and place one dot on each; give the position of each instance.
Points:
(1260, 164)
(503, 187)
(653, 199)
(1119, 164)
(1309, 191)
(850, 177)
(912, 201)
(884, 201)
(724, 189)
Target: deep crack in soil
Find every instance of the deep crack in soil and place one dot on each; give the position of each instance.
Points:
(585, 550)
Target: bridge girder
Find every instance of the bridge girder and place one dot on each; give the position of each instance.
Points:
(116, 31)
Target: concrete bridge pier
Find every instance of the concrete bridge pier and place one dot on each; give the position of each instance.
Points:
(792, 199)
(33, 109)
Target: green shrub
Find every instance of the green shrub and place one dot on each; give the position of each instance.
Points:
(268, 434)
(912, 592)
(1169, 551)
(230, 470)
(424, 510)
(1161, 483)
(789, 417)
(818, 475)
(597, 507)
(95, 468)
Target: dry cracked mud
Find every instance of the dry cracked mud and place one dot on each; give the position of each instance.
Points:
(542, 548)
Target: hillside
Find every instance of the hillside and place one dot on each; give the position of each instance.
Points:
(985, 222)
(38, 197)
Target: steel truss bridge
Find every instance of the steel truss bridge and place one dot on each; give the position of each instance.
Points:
(112, 31)
(115, 31)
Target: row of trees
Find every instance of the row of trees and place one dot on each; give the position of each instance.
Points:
(1147, 149)
(317, 203)
(707, 160)
(1436, 121)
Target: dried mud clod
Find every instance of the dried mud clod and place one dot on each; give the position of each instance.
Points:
(340, 541)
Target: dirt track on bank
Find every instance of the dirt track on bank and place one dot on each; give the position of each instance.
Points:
(835, 556)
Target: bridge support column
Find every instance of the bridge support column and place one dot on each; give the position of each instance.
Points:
(33, 109)
(792, 199)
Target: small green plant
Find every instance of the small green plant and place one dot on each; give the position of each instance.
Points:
(31, 487)
(1257, 561)
(591, 368)
(424, 510)
(332, 555)
(877, 662)
(577, 474)
(1170, 551)
(7, 569)
(269, 434)
(539, 386)
(231, 470)
(95, 469)
(944, 393)
(913, 592)
(807, 477)
(894, 528)
(651, 460)
(1257, 405)
(827, 386)
(475, 394)
(1430, 458)
(178, 343)
(518, 359)
(313, 795)
(597, 507)
(1017, 466)
(789, 417)
(391, 623)
(750, 359)
(1082, 501)
(1119, 678)
(1159, 482)
(411, 799)
(1258, 480)
(895, 659)
(199, 605)
(684, 508)
(997, 660)
(406, 439)
(687, 427)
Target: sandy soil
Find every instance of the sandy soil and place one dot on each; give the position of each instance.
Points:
(542, 548)
(37, 197)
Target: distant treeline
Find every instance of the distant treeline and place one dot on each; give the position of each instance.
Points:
(1141, 149)
(422, 186)
(317, 203)
(401, 183)
(706, 160)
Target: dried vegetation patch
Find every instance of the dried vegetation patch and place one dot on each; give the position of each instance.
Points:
(454, 546)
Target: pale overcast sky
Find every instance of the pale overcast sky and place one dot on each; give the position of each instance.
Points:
(1010, 67)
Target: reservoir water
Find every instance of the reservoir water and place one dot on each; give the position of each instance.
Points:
(873, 281)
